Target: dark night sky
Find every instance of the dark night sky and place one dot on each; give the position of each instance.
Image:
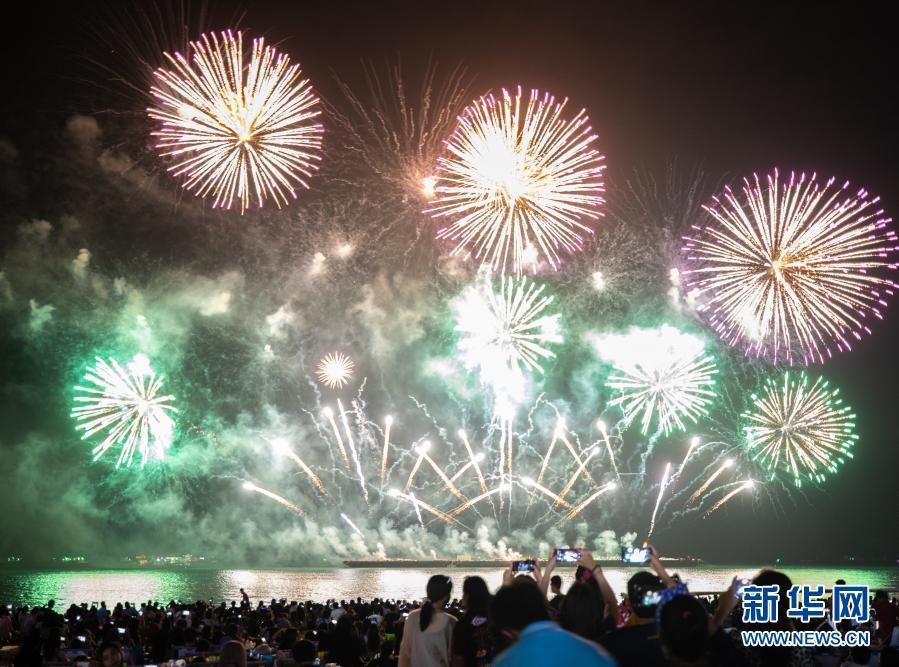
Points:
(734, 86)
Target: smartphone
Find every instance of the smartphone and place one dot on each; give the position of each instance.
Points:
(743, 583)
(650, 598)
(635, 555)
(185, 613)
(523, 565)
(121, 631)
(82, 638)
(567, 555)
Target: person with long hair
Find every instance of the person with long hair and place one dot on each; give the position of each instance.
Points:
(428, 632)
(471, 635)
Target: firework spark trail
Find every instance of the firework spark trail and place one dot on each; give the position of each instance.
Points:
(447, 482)
(694, 443)
(746, 485)
(129, 406)
(443, 516)
(702, 489)
(576, 456)
(474, 461)
(281, 446)
(353, 452)
(549, 450)
(532, 484)
(593, 451)
(652, 521)
(414, 500)
(800, 425)
(461, 471)
(422, 451)
(605, 437)
(507, 425)
(580, 508)
(517, 181)
(329, 413)
(249, 486)
(388, 421)
(791, 270)
(352, 525)
(237, 128)
(473, 501)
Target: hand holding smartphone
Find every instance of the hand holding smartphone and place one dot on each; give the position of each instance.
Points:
(740, 585)
(523, 565)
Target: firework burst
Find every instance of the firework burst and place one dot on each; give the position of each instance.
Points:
(801, 426)
(396, 132)
(128, 406)
(335, 370)
(506, 333)
(237, 127)
(518, 181)
(662, 374)
(790, 270)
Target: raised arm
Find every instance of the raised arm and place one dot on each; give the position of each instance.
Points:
(726, 603)
(543, 580)
(659, 568)
(608, 595)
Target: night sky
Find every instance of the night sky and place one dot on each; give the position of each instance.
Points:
(728, 87)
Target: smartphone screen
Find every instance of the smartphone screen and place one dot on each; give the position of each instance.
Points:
(743, 583)
(635, 555)
(523, 566)
(567, 555)
(650, 598)
(121, 631)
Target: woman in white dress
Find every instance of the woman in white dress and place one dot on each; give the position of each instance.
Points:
(428, 632)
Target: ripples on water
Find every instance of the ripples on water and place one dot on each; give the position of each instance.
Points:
(36, 587)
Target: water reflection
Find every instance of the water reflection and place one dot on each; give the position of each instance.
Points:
(36, 587)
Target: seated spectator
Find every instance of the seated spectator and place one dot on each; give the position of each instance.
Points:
(777, 655)
(683, 631)
(887, 617)
(303, 652)
(111, 655)
(637, 643)
(520, 615)
(555, 589)
(233, 655)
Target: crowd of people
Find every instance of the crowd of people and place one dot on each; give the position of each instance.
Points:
(529, 620)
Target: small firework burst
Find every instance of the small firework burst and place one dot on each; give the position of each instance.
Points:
(335, 370)
(128, 405)
(800, 426)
